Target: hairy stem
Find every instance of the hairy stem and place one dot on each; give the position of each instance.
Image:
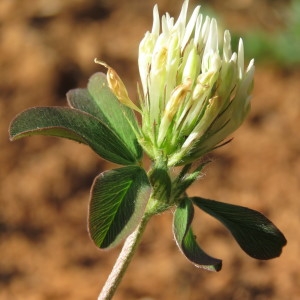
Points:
(123, 261)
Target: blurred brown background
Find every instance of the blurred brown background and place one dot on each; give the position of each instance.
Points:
(48, 47)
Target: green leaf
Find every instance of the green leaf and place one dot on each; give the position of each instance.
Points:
(99, 101)
(256, 235)
(75, 125)
(118, 201)
(186, 240)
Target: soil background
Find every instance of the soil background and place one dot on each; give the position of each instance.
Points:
(48, 47)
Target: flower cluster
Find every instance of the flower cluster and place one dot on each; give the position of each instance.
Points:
(192, 96)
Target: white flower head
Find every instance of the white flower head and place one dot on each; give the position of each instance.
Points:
(192, 96)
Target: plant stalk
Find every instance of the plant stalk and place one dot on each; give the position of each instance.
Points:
(123, 260)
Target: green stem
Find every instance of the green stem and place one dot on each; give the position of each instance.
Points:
(123, 261)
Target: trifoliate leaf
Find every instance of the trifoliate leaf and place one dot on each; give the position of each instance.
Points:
(186, 240)
(99, 101)
(118, 201)
(256, 235)
(75, 125)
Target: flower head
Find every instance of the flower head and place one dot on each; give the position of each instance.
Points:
(192, 97)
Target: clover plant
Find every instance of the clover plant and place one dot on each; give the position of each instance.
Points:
(193, 95)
